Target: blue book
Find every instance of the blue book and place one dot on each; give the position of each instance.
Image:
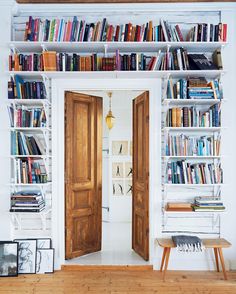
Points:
(19, 81)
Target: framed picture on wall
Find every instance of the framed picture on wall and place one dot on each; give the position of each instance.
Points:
(118, 188)
(26, 256)
(117, 170)
(128, 187)
(8, 259)
(128, 169)
(120, 148)
(45, 261)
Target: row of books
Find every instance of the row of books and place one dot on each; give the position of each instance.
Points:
(27, 201)
(20, 89)
(30, 171)
(205, 32)
(194, 88)
(193, 117)
(201, 32)
(75, 30)
(27, 117)
(183, 145)
(182, 172)
(206, 203)
(23, 144)
(178, 59)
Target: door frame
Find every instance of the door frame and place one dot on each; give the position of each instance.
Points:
(59, 87)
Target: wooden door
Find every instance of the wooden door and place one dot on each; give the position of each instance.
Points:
(140, 213)
(83, 173)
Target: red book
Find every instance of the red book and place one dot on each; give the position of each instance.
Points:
(36, 29)
(129, 32)
(57, 29)
(224, 39)
(10, 63)
(138, 36)
(117, 33)
(26, 31)
(68, 31)
(181, 38)
(110, 33)
(30, 170)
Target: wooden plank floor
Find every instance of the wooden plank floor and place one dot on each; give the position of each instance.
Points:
(123, 281)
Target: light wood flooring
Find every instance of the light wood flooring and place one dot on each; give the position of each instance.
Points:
(120, 280)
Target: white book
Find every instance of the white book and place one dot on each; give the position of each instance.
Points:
(179, 59)
(208, 32)
(40, 145)
(163, 25)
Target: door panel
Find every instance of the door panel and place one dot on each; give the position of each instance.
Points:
(83, 173)
(140, 213)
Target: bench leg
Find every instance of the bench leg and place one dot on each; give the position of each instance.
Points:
(166, 262)
(217, 259)
(222, 262)
(163, 258)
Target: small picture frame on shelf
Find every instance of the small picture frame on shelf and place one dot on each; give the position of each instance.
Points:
(8, 259)
(45, 261)
(26, 256)
(44, 243)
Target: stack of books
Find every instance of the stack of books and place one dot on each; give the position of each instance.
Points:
(208, 204)
(183, 145)
(194, 88)
(21, 89)
(27, 201)
(179, 206)
(192, 117)
(182, 172)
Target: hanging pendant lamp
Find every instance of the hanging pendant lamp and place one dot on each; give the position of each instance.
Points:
(110, 119)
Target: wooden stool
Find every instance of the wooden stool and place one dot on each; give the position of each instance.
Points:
(216, 244)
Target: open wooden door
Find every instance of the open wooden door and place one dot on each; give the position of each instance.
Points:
(140, 213)
(83, 173)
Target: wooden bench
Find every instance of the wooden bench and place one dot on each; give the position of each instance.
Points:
(216, 244)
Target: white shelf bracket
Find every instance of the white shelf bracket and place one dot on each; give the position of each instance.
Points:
(14, 49)
(105, 49)
(44, 48)
(215, 220)
(43, 220)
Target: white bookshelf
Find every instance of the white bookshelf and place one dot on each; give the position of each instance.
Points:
(119, 74)
(33, 223)
(110, 48)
